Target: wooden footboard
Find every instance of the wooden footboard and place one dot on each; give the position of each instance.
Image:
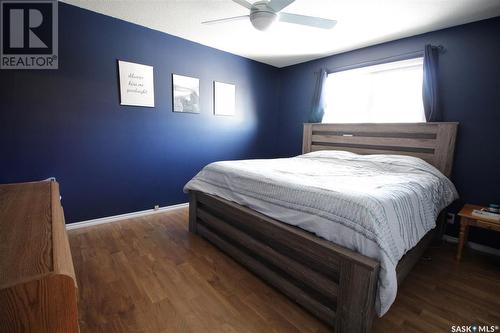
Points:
(335, 284)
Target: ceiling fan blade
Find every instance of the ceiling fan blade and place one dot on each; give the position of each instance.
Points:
(278, 5)
(228, 19)
(311, 21)
(243, 3)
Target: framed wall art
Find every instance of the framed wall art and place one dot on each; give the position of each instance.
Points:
(185, 94)
(136, 84)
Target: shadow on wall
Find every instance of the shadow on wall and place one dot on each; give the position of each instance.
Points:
(112, 159)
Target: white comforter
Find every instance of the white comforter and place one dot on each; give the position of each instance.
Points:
(377, 205)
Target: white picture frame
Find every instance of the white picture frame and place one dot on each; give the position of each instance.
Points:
(185, 94)
(136, 84)
(224, 99)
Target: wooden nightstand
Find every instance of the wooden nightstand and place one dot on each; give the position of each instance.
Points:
(467, 220)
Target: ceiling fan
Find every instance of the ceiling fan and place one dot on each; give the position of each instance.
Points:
(264, 13)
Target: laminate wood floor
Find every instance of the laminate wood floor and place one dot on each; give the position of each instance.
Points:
(150, 275)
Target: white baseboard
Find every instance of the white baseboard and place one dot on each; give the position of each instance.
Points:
(115, 218)
(474, 246)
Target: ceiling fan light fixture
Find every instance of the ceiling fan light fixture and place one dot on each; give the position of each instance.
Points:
(264, 13)
(262, 20)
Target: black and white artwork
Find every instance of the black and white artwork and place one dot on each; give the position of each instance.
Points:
(186, 94)
(136, 84)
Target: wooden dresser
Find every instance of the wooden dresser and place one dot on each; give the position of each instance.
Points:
(38, 291)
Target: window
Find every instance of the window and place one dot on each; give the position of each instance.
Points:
(386, 93)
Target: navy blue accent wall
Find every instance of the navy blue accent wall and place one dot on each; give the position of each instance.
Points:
(112, 159)
(469, 73)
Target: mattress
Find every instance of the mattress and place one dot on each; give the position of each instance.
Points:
(377, 205)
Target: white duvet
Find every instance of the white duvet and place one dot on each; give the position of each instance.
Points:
(377, 205)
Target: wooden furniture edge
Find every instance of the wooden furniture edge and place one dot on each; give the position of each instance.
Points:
(341, 251)
(62, 260)
(350, 278)
(467, 220)
(307, 138)
(433, 141)
(445, 148)
(44, 301)
(467, 210)
(57, 289)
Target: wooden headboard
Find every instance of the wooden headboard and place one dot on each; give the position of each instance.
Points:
(432, 142)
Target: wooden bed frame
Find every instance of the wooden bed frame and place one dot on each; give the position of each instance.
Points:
(334, 283)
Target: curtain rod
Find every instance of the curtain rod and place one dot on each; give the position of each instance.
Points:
(402, 56)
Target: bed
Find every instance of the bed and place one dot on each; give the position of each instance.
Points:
(344, 272)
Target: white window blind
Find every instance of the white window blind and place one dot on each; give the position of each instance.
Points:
(386, 93)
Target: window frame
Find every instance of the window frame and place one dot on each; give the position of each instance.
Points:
(415, 61)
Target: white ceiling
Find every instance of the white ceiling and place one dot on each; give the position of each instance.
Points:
(360, 23)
